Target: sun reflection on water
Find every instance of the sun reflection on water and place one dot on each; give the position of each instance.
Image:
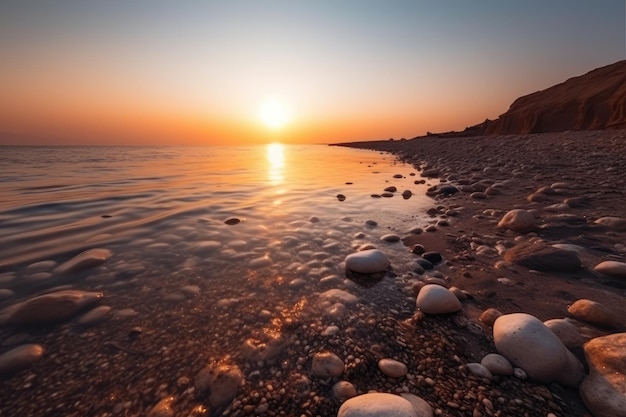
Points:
(276, 160)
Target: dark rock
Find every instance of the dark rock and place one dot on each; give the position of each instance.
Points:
(541, 257)
(424, 263)
(432, 257)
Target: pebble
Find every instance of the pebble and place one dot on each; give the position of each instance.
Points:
(479, 370)
(338, 296)
(221, 381)
(232, 221)
(94, 316)
(20, 358)
(566, 332)
(375, 404)
(262, 262)
(612, 268)
(367, 261)
(432, 257)
(343, 390)
(497, 364)
(390, 238)
(326, 364)
(595, 313)
(518, 220)
(435, 299)
(392, 368)
(330, 331)
(49, 308)
(84, 260)
(341, 197)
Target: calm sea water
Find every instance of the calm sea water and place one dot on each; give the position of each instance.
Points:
(193, 287)
(58, 201)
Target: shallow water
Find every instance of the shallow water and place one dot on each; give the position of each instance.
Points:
(175, 263)
(58, 201)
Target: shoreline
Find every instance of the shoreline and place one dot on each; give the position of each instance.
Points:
(495, 174)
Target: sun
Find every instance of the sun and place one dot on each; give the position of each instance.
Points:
(274, 112)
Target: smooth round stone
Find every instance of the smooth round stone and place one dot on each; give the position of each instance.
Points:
(617, 223)
(94, 315)
(335, 311)
(331, 280)
(343, 390)
(376, 404)
(206, 247)
(566, 332)
(390, 237)
(489, 316)
(49, 308)
(479, 370)
(478, 195)
(391, 189)
(326, 364)
(371, 223)
(232, 221)
(612, 268)
(424, 263)
(595, 313)
(260, 262)
(392, 368)
(518, 220)
(367, 261)
(419, 404)
(458, 293)
(20, 358)
(190, 290)
(297, 283)
(330, 331)
(506, 281)
(432, 257)
(314, 219)
(604, 390)
(529, 344)
(497, 364)
(222, 382)
(338, 296)
(6, 294)
(84, 260)
(41, 266)
(435, 299)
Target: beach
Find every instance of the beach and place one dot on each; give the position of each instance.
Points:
(223, 286)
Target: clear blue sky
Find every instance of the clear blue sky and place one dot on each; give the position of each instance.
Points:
(200, 71)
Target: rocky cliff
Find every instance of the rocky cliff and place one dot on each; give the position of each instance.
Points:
(596, 100)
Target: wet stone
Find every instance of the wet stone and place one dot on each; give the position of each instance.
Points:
(326, 364)
(20, 358)
(84, 260)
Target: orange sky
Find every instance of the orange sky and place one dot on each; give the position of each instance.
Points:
(199, 72)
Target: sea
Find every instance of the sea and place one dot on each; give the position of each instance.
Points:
(207, 247)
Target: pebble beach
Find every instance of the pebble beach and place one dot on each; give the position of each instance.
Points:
(411, 319)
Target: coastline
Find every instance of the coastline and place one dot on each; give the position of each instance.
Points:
(495, 174)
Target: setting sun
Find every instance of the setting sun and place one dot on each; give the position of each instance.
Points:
(274, 113)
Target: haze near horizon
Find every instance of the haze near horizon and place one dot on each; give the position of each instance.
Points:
(245, 72)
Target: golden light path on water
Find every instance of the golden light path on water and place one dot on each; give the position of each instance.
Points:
(276, 162)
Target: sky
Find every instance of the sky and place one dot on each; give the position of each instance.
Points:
(151, 72)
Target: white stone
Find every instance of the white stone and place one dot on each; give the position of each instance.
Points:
(518, 220)
(367, 261)
(604, 390)
(529, 344)
(19, 358)
(326, 364)
(435, 299)
(612, 268)
(392, 368)
(497, 364)
(338, 296)
(566, 332)
(377, 404)
(479, 370)
(84, 260)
